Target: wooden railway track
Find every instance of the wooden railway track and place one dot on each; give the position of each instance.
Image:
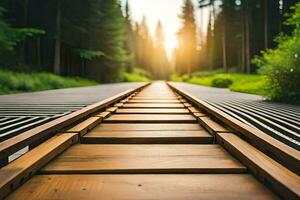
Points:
(156, 142)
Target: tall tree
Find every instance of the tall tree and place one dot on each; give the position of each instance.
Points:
(108, 38)
(187, 44)
(129, 44)
(161, 65)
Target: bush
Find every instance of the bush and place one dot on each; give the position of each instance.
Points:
(282, 65)
(137, 75)
(14, 82)
(222, 81)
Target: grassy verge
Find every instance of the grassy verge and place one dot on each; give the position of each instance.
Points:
(16, 82)
(246, 83)
(137, 75)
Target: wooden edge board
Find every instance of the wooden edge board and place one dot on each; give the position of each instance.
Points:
(17, 172)
(199, 115)
(279, 151)
(83, 127)
(118, 104)
(194, 110)
(211, 126)
(111, 109)
(12, 145)
(104, 114)
(281, 180)
(187, 105)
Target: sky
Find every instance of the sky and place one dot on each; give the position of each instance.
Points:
(167, 11)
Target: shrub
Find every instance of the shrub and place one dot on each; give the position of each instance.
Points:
(13, 82)
(282, 65)
(137, 75)
(221, 81)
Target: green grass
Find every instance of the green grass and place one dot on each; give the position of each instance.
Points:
(16, 82)
(137, 75)
(245, 83)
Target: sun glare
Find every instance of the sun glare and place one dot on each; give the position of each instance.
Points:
(167, 12)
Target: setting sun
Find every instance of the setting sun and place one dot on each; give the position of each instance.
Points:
(166, 11)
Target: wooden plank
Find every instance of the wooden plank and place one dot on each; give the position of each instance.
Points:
(118, 104)
(144, 187)
(12, 145)
(154, 101)
(187, 105)
(103, 115)
(194, 110)
(111, 109)
(18, 171)
(144, 159)
(197, 115)
(150, 118)
(152, 111)
(83, 127)
(279, 151)
(147, 137)
(154, 98)
(280, 179)
(148, 127)
(152, 105)
(212, 126)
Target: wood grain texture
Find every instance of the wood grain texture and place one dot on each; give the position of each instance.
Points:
(152, 111)
(147, 137)
(281, 152)
(154, 98)
(279, 178)
(148, 127)
(153, 105)
(144, 159)
(83, 127)
(154, 101)
(103, 115)
(12, 145)
(212, 126)
(142, 187)
(111, 109)
(150, 118)
(15, 173)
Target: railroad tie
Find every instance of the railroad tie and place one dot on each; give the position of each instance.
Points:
(155, 144)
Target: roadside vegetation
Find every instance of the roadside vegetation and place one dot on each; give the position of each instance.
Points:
(16, 82)
(278, 69)
(281, 65)
(246, 83)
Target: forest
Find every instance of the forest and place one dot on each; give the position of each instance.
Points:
(99, 39)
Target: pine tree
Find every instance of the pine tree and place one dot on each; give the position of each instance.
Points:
(109, 38)
(161, 68)
(186, 50)
(129, 44)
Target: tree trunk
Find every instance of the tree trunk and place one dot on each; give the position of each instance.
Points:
(57, 49)
(224, 52)
(247, 42)
(266, 23)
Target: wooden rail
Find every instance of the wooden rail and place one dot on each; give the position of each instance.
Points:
(157, 143)
(41, 133)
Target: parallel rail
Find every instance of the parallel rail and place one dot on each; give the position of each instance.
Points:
(278, 120)
(156, 142)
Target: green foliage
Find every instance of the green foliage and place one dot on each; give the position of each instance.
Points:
(15, 82)
(137, 75)
(10, 37)
(282, 65)
(246, 83)
(222, 81)
(89, 55)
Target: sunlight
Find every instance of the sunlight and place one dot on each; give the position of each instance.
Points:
(167, 12)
